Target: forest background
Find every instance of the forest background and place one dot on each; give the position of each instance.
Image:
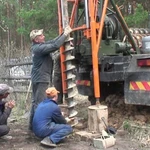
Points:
(19, 17)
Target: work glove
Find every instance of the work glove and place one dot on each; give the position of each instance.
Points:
(67, 30)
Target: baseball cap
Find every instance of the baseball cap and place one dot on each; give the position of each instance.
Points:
(4, 88)
(52, 92)
(35, 33)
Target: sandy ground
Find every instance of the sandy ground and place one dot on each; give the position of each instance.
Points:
(22, 139)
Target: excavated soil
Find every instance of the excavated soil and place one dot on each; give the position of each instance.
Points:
(131, 122)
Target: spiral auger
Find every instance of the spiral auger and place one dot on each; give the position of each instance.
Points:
(70, 79)
(63, 7)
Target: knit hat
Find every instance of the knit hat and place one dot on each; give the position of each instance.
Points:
(4, 88)
(35, 33)
(52, 92)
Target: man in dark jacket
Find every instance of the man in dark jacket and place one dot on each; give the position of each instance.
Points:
(5, 108)
(48, 121)
(42, 64)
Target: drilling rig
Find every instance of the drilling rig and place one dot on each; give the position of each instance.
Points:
(106, 56)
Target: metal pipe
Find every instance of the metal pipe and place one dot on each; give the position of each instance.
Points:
(123, 23)
(62, 14)
(86, 14)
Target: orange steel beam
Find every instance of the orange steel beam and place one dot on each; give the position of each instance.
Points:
(73, 13)
(100, 34)
(72, 0)
(94, 50)
(79, 28)
(62, 49)
(95, 42)
(102, 23)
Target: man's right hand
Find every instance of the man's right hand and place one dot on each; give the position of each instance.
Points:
(10, 104)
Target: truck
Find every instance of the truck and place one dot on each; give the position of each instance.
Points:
(102, 54)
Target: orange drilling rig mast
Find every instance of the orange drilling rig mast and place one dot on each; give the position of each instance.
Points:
(104, 62)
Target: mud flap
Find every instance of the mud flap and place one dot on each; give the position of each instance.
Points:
(83, 88)
(137, 88)
(84, 84)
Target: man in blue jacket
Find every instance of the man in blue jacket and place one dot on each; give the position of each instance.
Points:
(48, 121)
(42, 64)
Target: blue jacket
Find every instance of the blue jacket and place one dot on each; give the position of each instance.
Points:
(47, 113)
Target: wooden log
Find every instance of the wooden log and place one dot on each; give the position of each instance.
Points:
(95, 113)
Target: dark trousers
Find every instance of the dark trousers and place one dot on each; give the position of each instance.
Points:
(38, 95)
(4, 129)
(57, 81)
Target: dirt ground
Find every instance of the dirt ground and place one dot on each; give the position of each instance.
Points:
(135, 137)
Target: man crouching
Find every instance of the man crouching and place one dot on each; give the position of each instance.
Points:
(5, 109)
(48, 121)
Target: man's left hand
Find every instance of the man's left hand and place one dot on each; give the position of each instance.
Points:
(69, 119)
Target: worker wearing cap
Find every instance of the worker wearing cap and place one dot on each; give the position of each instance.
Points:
(5, 108)
(48, 121)
(42, 64)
